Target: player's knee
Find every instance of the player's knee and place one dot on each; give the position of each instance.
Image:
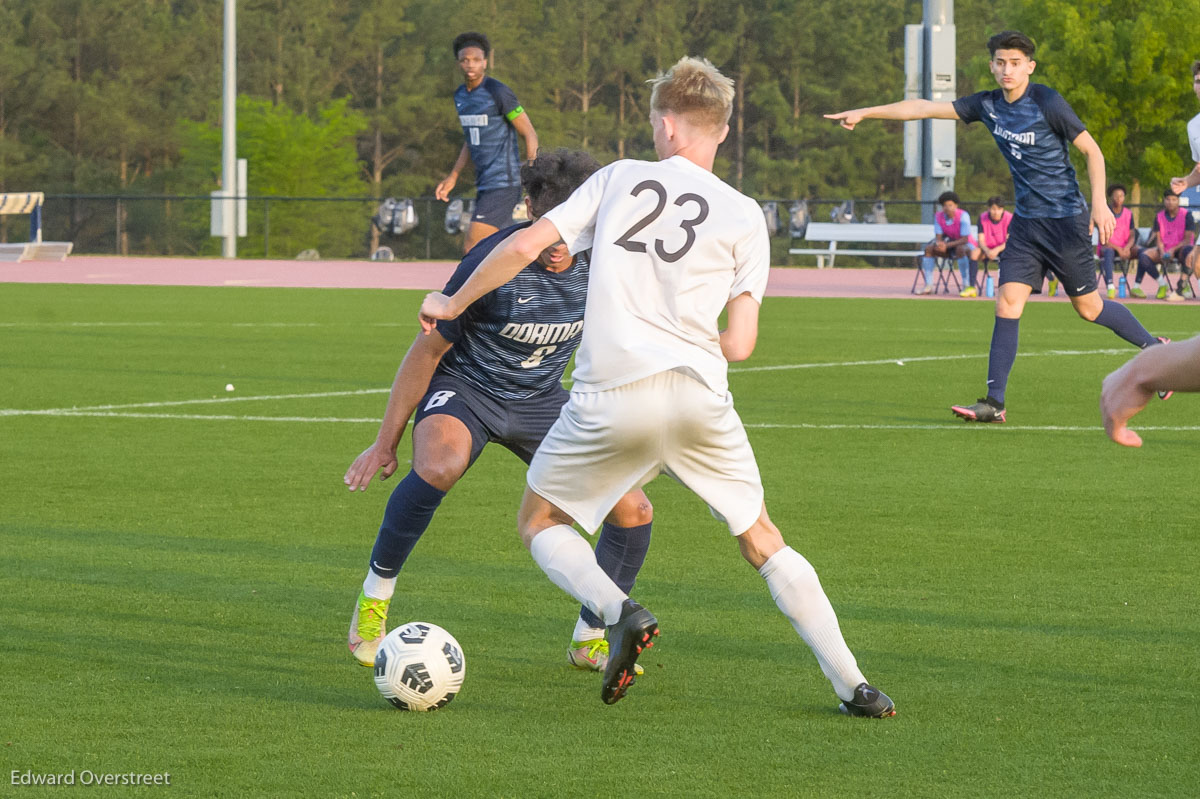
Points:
(442, 473)
(1089, 308)
(634, 510)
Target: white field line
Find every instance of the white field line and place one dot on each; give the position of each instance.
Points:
(128, 410)
(204, 324)
(176, 403)
(946, 427)
(925, 358)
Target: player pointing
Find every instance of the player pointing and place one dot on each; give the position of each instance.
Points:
(672, 246)
(1051, 229)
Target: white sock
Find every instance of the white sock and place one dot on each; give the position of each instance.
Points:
(797, 591)
(571, 565)
(378, 587)
(1162, 279)
(586, 632)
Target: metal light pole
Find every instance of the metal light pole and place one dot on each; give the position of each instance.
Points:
(930, 67)
(229, 181)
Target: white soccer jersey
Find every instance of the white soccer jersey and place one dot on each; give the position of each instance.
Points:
(671, 245)
(1193, 133)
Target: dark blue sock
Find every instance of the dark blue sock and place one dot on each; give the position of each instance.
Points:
(1002, 356)
(1117, 318)
(409, 511)
(620, 553)
(1146, 267)
(1107, 257)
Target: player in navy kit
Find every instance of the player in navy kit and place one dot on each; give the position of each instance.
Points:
(1051, 228)
(491, 119)
(493, 374)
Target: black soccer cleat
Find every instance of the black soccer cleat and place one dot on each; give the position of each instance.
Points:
(985, 409)
(632, 633)
(869, 702)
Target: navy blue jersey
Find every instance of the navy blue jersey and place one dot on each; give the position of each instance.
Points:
(1033, 133)
(515, 342)
(486, 114)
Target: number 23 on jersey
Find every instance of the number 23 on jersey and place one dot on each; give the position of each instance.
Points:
(627, 240)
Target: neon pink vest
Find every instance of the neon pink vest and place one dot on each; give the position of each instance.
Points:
(1123, 232)
(951, 230)
(1172, 231)
(995, 233)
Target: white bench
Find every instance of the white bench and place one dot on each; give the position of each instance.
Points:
(860, 233)
(35, 249)
(889, 233)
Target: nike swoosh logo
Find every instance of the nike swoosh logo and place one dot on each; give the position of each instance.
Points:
(1081, 288)
(523, 300)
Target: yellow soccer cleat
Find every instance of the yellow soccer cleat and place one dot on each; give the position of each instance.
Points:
(592, 655)
(367, 628)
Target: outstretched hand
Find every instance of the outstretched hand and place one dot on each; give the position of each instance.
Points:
(1102, 220)
(372, 460)
(847, 119)
(1120, 399)
(442, 190)
(436, 306)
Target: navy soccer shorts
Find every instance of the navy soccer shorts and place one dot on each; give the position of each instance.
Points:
(518, 425)
(495, 206)
(1060, 246)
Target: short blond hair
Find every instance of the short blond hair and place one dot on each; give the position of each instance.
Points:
(696, 90)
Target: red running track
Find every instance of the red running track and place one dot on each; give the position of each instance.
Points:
(432, 275)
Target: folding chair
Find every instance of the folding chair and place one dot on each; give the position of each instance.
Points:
(946, 269)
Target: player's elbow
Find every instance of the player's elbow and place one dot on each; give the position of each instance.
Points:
(525, 245)
(736, 348)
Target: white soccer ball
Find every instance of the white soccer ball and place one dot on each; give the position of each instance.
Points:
(419, 667)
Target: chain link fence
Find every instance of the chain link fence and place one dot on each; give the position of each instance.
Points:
(337, 228)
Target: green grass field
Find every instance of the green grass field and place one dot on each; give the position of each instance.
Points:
(179, 565)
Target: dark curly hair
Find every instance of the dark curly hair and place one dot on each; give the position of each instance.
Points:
(1011, 40)
(550, 178)
(472, 39)
(948, 196)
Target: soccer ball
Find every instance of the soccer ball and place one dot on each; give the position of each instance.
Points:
(419, 667)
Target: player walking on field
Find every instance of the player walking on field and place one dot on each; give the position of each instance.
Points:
(672, 246)
(494, 374)
(1051, 229)
(491, 119)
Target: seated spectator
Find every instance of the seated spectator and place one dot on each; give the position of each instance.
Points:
(952, 238)
(1122, 243)
(1171, 237)
(993, 230)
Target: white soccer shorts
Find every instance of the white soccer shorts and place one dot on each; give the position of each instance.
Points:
(606, 443)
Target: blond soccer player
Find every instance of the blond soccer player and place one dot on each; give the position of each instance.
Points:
(672, 246)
